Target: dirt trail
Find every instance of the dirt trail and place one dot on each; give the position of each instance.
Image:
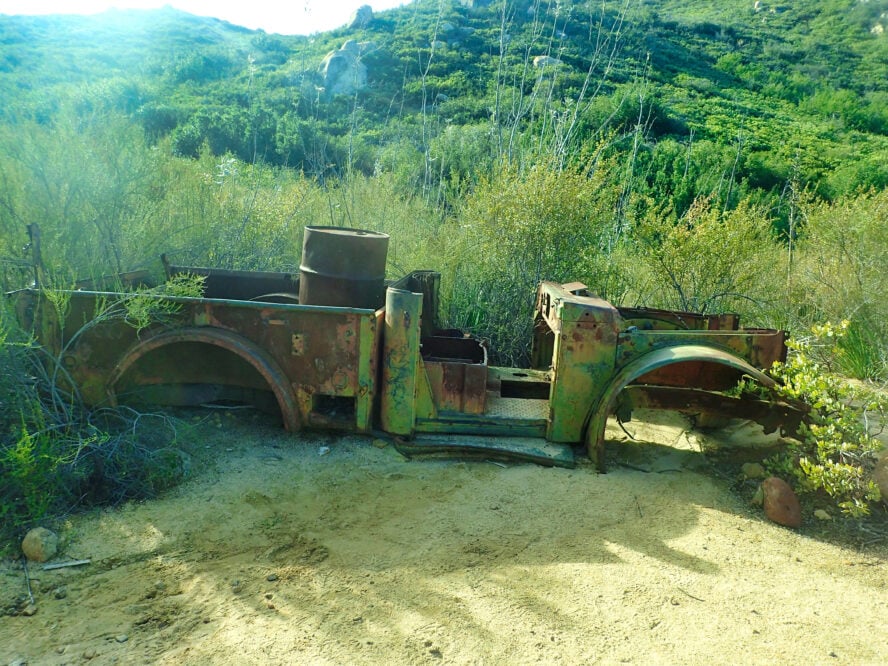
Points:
(321, 550)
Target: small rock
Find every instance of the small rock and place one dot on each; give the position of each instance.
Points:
(60, 593)
(122, 638)
(271, 577)
(323, 450)
(780, 503)
(29, 610)
(236, 586)
(19, 662)
(752, 470)
(820, 514)
(90, 653)
(40, 544)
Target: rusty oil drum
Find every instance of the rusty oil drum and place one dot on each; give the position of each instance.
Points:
(343, 267)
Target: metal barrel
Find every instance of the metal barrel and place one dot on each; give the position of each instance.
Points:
(343, 267)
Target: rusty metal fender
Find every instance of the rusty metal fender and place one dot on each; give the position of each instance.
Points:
(597, 418)
(261, 360)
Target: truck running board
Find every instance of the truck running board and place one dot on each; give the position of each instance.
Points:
(522, 449)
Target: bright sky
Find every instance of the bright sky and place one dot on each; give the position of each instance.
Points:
(286, 17)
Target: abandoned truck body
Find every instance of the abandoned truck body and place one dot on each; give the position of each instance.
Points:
(338, 348)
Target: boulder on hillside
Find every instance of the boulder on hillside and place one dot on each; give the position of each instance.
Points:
(362, 16)
(542, 61)
(343, 71)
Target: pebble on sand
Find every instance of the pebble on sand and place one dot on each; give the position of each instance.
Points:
(780, 503)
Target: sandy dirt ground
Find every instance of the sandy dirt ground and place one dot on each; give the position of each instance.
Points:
(326, 550)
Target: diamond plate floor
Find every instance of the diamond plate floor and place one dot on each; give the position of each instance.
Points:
(516, 408)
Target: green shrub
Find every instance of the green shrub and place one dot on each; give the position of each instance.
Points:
(516, 230)
(836, 453)
(710, 260)
(54, 453)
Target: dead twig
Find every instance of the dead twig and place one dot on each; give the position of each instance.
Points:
(628, 434)
(690, 595)
(62, 565)
(28, 579)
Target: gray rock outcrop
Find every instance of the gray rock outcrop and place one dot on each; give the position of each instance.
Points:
(542, 61)
(362, 16)
(343, 71)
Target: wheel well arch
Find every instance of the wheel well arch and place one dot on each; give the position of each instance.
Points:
(248, 352)
(596, 419)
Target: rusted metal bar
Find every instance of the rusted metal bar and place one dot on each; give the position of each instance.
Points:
(771, 415)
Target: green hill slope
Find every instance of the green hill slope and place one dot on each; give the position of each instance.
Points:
(793, 90)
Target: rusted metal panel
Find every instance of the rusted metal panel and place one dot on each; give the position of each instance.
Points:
(503, 416)
(457, 371)
(760, 347)
(428, 284)
(241, 285)
(369, 351)
(701, 374)
(512, 447)
(520, 382)
(319, 351)
(255, 367)
(649, 319)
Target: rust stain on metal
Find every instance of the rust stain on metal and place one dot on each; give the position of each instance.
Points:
(457, 370)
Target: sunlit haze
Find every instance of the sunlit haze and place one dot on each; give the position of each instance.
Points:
(290, 17)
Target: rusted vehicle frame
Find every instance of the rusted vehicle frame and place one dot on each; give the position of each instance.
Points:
(392, 368)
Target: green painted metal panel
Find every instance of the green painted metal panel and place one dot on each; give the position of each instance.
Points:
(368, 350)
(583, 361)
(400, 361)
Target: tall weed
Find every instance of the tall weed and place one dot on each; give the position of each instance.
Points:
(840, 274)
(710, 260)
(515, 230)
